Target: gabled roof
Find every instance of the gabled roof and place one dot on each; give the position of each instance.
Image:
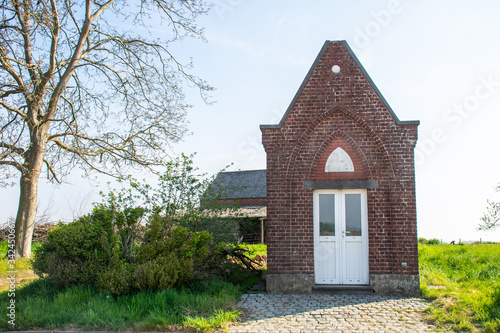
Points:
(242, 184)
(365, 74)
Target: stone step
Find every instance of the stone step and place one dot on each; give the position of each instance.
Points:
(342, 289)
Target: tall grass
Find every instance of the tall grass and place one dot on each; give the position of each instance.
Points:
(464, 281)
(202, 305)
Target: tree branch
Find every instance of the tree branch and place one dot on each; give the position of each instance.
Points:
(99, 11)
(51, 171)
(75, 59)
(12, 148)
(24, 18)
(13, 109)
(6, 65)
(87, 152)
(53, 49)
(16, 165)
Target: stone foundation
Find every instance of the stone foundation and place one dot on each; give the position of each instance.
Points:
(397, 285)
(289, 283)
(386, 284)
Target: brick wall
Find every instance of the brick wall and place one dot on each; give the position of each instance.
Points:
(340, 110)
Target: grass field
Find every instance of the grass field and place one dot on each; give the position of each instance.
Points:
(464, 282)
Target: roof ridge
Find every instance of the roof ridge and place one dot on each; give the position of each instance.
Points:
(243, 171)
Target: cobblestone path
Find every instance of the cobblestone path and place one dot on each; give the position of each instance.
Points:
(330, 313)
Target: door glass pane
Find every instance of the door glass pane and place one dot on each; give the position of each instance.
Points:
(327, 214)
(353, 214)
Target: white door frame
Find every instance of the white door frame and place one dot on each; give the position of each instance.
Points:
(340, 258)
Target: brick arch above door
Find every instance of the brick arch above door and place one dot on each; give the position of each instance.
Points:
(339, 142)
(342, 130)
(349, 121)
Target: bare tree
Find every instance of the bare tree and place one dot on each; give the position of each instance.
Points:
(84, 82)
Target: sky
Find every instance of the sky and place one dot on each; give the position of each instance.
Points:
(437, 62)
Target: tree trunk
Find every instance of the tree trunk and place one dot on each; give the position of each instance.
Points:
(26, 212)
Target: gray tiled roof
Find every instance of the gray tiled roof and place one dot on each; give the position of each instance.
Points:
(242, 184)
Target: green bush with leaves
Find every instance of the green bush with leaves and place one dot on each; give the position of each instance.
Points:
(117, 278)
(103, 248)
(76, 253)
(166, 258)
(192, 249)
(114, 249)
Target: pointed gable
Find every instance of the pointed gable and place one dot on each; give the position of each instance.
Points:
(338, 78)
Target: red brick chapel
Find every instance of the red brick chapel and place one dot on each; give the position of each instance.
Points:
(341, 209)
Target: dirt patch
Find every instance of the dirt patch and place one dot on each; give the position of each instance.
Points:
(22, 278)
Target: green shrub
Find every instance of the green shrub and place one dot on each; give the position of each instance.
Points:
(117, 279)
(123, 278)
(76, 253)
(162, 272)
(167, 257)
(103, 249)
(192, 249)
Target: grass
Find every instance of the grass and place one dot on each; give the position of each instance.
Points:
(464, 282)
(219, 320)
(24, 274)
(202, 306)
(255, 249)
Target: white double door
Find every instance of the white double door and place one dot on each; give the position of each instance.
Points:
(340, 237)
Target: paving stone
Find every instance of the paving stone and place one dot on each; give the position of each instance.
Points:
(330, 313)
